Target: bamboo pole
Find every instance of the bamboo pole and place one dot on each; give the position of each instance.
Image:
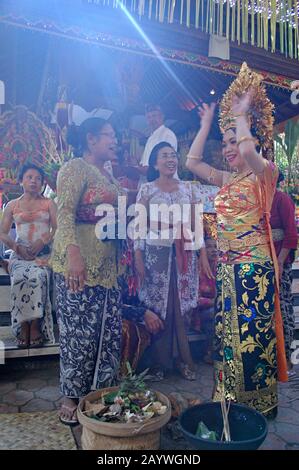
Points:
(239, 22)
(225, 412)
(227, 18)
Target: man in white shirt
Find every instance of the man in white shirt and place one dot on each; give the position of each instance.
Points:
(159, 133)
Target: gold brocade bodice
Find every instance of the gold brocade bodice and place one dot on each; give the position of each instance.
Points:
(242, 233)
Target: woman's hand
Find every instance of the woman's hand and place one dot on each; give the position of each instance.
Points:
(76, 270)
(241, 104)
(206, 114)
(24, 252)
(153, 323)
(280, 268)
(204, 265)
(139, 266)
(35, 248)
(295, 85)
(107, 197)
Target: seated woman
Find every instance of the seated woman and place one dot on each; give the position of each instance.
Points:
(35, 220)
(138, 325)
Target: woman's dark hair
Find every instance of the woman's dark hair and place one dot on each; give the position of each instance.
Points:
(77, 136)
(280, 178)
(259, 144)
(152, 173)
(254, 134)
(150, 107)
(30, 166)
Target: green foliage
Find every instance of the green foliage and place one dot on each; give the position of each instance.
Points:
(133, 383)
(204, 432)
(286, 147)
(290, 140)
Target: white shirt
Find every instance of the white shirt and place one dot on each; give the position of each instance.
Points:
(162, 134)
(108, 167)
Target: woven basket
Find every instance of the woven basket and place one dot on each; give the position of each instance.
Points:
(121, 436)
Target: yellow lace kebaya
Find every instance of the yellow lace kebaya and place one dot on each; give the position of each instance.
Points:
(79, 188)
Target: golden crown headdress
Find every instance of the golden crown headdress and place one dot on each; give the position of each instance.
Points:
(261, 110)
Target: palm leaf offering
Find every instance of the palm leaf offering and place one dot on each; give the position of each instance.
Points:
(132, 402)
(24, 138)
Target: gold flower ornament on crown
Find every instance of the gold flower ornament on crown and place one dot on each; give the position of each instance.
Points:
(260, 114)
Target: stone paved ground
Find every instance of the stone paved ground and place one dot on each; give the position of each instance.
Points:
(27, 386)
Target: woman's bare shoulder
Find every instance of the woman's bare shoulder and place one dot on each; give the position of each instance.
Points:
(75, 165)
(10, 206)
(226, 177)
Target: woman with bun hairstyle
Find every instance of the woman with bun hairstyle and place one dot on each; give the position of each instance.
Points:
(166, 268)
(88, 297)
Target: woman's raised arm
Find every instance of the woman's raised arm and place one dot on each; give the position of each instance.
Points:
(194, 158)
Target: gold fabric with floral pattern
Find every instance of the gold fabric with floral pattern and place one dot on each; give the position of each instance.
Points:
(245, 340)
(242, 232)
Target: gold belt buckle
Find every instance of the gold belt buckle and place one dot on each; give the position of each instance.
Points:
(223, 245)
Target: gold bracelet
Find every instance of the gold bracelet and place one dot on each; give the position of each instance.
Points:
(212, 174)
(245, 138)
(193, 157)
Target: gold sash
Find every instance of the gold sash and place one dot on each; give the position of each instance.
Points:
(237, 244)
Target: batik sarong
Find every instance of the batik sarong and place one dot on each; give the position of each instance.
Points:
(245, 341)
(90, 331)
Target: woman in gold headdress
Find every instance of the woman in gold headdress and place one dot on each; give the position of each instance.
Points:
(249, 347)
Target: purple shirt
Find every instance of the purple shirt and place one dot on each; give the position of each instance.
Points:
(283, 217)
